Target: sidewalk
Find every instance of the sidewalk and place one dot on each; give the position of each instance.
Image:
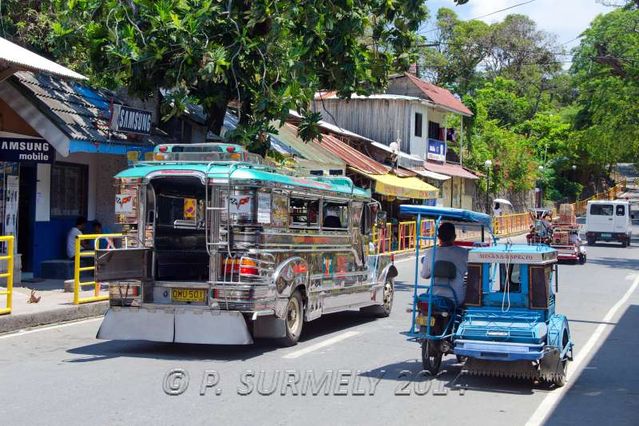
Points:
(54, 306)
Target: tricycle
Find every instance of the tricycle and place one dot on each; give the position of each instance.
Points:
(506, 324)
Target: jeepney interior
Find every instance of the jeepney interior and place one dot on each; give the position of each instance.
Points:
(176, 206)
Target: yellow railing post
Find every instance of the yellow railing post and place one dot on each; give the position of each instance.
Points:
(9, 239)
(78, 268)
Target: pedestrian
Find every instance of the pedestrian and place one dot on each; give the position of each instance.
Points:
(497, 210)
(75, 232)
(104, 243)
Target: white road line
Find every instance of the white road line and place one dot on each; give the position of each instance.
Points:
(45, 328)
(550, 401)
(322, 344)
(405, 259)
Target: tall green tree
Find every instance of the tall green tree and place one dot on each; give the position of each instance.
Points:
(606, 73)
(267, 56)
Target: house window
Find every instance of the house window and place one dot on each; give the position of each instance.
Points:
(69, 187)
(433, 131)
(418, 124)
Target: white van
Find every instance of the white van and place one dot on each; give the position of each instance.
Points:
(608, 221)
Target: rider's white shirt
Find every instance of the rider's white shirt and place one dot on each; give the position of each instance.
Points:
(459, 257)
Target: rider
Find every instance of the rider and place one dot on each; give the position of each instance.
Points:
(449, 252)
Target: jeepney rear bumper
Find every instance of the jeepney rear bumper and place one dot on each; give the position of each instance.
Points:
(175, 324)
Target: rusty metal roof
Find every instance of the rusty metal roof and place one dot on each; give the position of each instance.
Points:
(351, 156)
(449, 169)
(439, 95)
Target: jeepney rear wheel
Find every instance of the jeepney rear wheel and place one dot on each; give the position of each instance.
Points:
(294, 319)
(383, 310)
(431, 357)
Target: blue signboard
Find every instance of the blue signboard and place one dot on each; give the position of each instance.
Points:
(436, 150)
(33, 150)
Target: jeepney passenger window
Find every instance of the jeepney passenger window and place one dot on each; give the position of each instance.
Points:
(304, 212)
(335, 215)
(621, 210)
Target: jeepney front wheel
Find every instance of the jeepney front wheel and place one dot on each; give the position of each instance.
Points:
(431, 357)
(294, 319)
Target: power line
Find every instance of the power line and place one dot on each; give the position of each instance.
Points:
(486, 15)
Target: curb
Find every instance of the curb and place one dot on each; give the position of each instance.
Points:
(15, 322)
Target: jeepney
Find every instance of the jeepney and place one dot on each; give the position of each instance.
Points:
(220, 248)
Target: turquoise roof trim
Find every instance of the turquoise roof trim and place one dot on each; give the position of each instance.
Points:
(247, 172)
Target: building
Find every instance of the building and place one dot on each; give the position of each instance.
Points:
(59, 151)
(409, 120)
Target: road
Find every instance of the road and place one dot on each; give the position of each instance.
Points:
(63, 374)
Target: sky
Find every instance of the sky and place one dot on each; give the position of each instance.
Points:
(564, 18)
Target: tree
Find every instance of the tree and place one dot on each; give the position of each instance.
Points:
(606, 74)
(267, 56)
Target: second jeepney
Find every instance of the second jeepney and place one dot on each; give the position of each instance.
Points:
(219, 248)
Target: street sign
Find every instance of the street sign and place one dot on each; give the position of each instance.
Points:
(30, 150)
(130, 120)
(436, 150)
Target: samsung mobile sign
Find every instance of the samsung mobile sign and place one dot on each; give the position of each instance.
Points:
(32, 150)
(131, 120)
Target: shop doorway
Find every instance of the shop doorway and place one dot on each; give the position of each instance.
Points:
(26, 216)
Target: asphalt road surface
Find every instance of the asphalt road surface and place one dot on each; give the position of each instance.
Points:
(62, 374)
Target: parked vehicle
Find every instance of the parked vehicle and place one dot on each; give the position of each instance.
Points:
(507, 325)
(221, 249)
(608, 221)
(565, 236)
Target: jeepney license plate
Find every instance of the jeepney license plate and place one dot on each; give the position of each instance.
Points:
(188, 295)
(606, 235)
(421, 320)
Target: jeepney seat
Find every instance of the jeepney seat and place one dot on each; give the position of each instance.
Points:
(332, 222)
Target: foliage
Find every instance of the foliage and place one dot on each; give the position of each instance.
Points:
(528, 111)
(267, 56)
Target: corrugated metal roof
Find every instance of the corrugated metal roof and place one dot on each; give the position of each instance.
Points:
(439, 95)
(287, 135)
(449, 169)
(14, 56)
(428, 174)
(79, 111)
(351, 156)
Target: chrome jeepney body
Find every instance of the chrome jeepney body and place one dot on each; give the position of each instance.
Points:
(224, 243)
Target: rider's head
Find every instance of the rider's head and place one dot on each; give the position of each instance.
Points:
(446, 233)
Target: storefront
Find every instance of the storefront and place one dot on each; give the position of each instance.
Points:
(58, 156)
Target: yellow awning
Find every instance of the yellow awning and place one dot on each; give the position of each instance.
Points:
(405, 187)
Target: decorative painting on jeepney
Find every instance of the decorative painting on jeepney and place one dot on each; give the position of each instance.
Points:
(279, 210)
(126, 205)
(240, 204)
(263, 208)
(190, 209)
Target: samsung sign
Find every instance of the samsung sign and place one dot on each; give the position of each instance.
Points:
(131, 120)
(32, 150)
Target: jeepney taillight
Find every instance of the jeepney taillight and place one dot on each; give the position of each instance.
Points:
(244, 266)
(248, 267)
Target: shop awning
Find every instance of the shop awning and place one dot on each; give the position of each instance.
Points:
(14, 58)
(406, 187)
